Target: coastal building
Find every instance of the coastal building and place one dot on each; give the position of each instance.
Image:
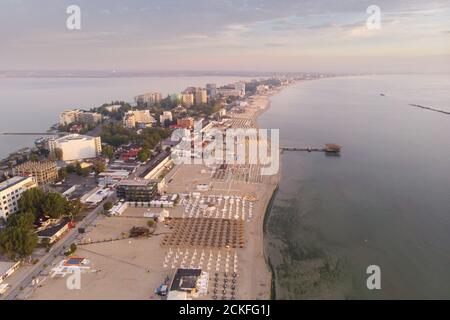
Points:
(10, 192)
(166, 116)
(138, 119)
(240, 86)
(69, 116)
(113, 108)
(43, 172)
(76, 147)
(228, 92)
(187, 99)
(148, 99)
(89, 118)
(186, 123)
(201, 96)
(211, 89)
(139, 190)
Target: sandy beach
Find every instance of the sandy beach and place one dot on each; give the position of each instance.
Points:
(132, 268)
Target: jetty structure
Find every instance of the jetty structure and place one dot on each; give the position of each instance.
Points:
(429, 108)
(328, 148)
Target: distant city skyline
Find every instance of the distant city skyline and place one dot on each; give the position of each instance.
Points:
(240, 35)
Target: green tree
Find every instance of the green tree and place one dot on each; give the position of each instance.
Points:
(62, 174)
(107, 206)
(143, 155)
(108, 152)
(31, 201)
(17, 238)
(54, 205)
(56, 154)
(74, 207)
(99, 166)
(34, 157)
(151, 223)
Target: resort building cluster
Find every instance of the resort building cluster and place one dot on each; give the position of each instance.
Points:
(129, 172)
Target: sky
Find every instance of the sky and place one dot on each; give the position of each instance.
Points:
(227, 35)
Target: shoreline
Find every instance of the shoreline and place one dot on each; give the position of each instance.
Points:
(274, 180)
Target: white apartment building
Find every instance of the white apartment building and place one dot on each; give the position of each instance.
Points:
(148, 98)
(10, 192)
(90, 117)
(77, 147)
(69, 116)
(138, 118)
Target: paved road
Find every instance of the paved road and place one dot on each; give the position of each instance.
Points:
(57, 250)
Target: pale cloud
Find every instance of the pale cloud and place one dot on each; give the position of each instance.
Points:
(217, 34)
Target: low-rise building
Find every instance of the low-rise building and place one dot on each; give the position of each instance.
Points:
(113, 108)
(138, 118)
(185, 123)
(139, 190)
(95, 196)
(7, 268)
(187, 284)
(166, 116)
(43, 172)
(156, 167)
(10, 192)
(53, 231)
(76, 147)
(111, 177)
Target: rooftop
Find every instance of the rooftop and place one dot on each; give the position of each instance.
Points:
(185, 279)
(71, 137)
(137, 182)
(11, 182)
(52, 230)
(5, 266)
(155, 162)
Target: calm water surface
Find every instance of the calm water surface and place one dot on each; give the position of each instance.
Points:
(385, 201)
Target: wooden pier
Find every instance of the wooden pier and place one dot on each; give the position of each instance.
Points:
(429, 108)
(30, 133)
(328, 148)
